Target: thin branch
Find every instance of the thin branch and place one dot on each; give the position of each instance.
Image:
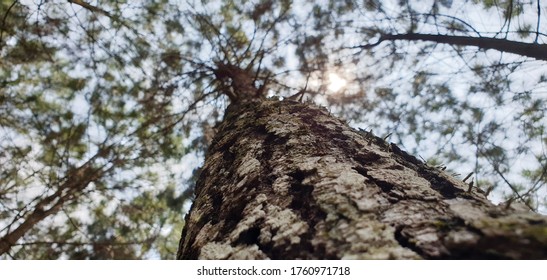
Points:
(90, 7)
(514, 190)
(49, 243)
(455, 19)
(4, 21)
(539, 17)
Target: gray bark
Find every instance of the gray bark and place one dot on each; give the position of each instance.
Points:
(286, 180)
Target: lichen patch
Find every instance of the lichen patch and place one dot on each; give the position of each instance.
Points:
(405, 178)
(248, 165)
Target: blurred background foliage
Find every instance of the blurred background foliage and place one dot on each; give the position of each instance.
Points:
(107, 107)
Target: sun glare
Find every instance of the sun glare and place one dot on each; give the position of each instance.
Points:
(335, 83)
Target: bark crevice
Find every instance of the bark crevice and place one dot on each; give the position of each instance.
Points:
(286, 180)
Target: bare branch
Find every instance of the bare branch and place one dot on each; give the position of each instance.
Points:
(89, 7)
(537, 51)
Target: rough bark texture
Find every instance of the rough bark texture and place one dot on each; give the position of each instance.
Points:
(286, 180)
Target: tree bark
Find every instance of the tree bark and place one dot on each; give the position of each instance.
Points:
(537, 51)
(286, 180)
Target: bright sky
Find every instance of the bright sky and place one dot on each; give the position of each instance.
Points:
(335, 82)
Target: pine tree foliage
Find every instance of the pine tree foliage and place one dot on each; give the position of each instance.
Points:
(107, 107)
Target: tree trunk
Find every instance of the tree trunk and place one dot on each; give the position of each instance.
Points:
(286, 180)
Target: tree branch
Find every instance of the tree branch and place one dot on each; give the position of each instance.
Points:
(4, 21)
(77, 180)
(89, 7)
(538, 21)
(537, 51)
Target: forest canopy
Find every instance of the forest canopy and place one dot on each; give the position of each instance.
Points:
(107, 107)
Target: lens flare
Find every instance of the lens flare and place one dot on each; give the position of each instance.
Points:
(336, 83)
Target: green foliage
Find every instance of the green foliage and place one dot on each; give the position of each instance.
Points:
(103, 106)
(101, 112)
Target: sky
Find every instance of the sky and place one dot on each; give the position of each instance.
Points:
(337, 80)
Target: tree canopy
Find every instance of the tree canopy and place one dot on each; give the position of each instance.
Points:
(107, 107)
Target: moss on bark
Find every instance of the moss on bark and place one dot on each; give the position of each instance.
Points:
(286, 180)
